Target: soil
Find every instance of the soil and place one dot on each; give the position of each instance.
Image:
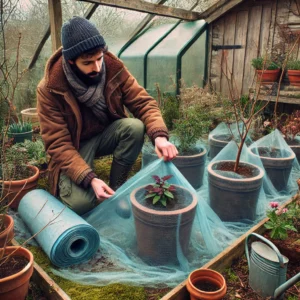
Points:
(289, 247)
(206, 286)
(12, 266)
(238, 287)
(242, 170)
(273, 152)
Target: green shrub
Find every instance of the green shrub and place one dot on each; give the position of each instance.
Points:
(293, 65)
(170, 110)
(260, 63)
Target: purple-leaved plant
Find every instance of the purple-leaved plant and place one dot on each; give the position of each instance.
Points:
(161, 191)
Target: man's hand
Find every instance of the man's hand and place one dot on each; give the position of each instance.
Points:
(101, 189)
(164, 148)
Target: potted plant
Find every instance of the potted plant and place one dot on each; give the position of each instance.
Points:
(283, 229)
(16, 268)
(20, 132)
(197, 109)
(16, 175)
(206, 284)
(156, 209)
(267, 70)
(293, 71)
(234, 185)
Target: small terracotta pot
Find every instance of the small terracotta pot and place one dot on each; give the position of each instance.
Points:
(8, 233)
(12, 188)
(209, 276)
(16, 286)
(294, 77)
(267, 76)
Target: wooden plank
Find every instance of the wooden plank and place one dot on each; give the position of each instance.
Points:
(88, 14)
(227, 55)
(219, 9)
(45, 283)
(209, 56)
(217, 36)
(239, 54)
(282, 15)
(55, 16)
(254, 25)
(265, 30)
(152, 8)
(224, 259)
(272, 25)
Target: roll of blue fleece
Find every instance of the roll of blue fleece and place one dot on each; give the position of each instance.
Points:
(65, 237)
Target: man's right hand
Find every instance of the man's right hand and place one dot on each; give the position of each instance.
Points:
(101, 189)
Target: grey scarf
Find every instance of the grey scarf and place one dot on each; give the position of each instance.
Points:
(91, 96)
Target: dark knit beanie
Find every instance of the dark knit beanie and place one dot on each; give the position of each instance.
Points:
(79, 35)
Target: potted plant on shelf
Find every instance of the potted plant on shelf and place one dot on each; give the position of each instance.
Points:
(267, 70)
(20, 132)
(156, 209)
(293, 71)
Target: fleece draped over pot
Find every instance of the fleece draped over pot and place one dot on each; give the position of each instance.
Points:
(65, 237)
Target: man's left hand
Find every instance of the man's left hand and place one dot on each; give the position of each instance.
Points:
(164, 148)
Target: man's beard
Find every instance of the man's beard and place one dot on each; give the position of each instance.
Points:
(85, 78)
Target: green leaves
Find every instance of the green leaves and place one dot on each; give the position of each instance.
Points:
(281, 221)
(161, 191)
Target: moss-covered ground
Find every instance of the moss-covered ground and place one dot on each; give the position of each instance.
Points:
(112, 291)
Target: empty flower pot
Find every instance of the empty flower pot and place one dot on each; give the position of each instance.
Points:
(206, 284)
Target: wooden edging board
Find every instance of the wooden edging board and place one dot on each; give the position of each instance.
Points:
(51, 289)
(224, 259)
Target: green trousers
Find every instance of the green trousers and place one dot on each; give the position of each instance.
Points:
(123, 139)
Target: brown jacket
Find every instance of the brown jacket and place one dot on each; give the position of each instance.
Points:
(61, 118)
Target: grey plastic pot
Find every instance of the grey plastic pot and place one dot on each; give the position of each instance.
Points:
(234, 199)
(158, 230)
(278, 169)
(217, 143)
(191, 166)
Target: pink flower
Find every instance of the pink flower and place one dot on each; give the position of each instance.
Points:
(274, 204)
(267, 123)
(284, 210)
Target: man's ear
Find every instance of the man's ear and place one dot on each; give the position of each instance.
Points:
(71, 61)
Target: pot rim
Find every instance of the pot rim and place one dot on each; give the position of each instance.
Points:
(292, 155)
(212, 137)
(29, 179)
(208, 271)
(202, 153)
(257, 177)
(162, 213)
(29, 256)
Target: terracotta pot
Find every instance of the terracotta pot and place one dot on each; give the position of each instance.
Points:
(8, 233)
(278, 169)
(206, 276)
(294, 77)
(12, 188)
(267, 76)
(234, 199)
(156, 228)
(16, 286)
(191, 166)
